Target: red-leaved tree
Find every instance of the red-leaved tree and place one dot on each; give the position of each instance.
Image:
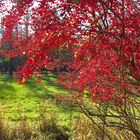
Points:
(102, 38)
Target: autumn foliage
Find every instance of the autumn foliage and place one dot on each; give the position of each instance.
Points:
(103, 38)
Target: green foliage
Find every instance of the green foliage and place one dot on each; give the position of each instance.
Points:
(76, 1)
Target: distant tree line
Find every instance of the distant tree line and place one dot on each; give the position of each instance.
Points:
(9, 66)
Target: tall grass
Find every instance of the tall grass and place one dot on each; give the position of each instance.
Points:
(46, 129)
(85, 129)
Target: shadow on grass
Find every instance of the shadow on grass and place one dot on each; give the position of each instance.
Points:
(48, 89)
(7, 91)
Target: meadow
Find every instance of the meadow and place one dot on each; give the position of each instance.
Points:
(30, 100)
(34, 111)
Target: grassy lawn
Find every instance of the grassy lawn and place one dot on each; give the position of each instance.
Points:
(27, 100)
(30, 100)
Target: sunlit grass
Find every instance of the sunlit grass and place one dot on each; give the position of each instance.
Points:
(26, 100)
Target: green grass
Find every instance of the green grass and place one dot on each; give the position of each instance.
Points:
(26, 100)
